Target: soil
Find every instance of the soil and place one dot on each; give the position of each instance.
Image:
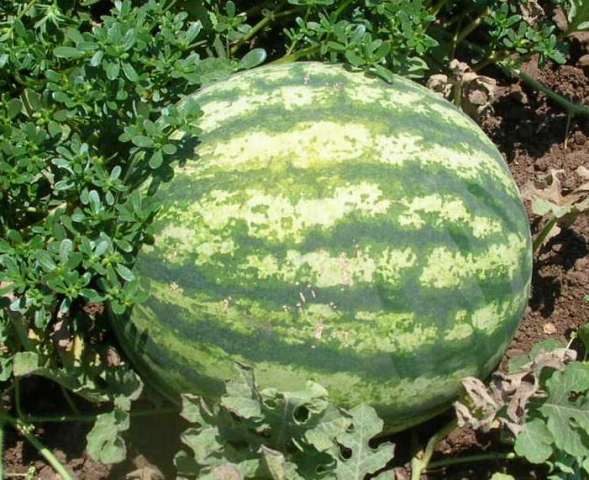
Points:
(532, 134)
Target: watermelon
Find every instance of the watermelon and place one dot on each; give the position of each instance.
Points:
(333, 227)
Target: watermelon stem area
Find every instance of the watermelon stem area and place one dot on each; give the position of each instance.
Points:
(421, 460)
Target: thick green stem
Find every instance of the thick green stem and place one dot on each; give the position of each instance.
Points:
(269, 18)
(69, 400)
(570, 107)
(420, 462)
(466, 31)
(342, 8)
(293, 57)
(438, 6)
(91, 418)
(25, 430)
(483, 457)
(543, 234)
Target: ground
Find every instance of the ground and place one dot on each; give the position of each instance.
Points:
(531, 133)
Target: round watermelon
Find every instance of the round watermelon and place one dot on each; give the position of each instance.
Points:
(336, 228)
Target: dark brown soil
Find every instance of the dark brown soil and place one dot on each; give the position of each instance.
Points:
(531, 132)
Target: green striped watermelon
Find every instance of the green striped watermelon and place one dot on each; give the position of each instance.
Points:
(336, 228)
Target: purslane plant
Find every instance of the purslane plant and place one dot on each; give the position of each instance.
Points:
(86, 120)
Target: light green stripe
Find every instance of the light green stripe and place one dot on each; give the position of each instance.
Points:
(449, 268)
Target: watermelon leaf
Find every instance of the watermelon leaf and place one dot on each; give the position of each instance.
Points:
(278, 435)
(277, 465)
(363, 459)
(534, 442)
(105, 443)
(568, 417)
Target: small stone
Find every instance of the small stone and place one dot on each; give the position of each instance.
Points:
(560, 19)
(549, 328)
(584, 61)
(541, 165)
(582, 38)
(47, 473)
(579, 277)
(579, 137)
(557, 247)
(582, 264)
(515, 352)
(113, 359)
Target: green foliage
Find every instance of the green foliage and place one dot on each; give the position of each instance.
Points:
(90, 124)
(577, 15)
(278, 435)
(510, 31)
(502, 476)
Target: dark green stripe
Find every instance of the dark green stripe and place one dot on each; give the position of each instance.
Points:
(265, 346)
(410, 296)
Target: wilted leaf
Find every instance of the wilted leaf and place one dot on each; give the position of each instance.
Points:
(482, 408)
(192, 407)
(551, 203)
(505, 401)
(323, 436)
(204, 444)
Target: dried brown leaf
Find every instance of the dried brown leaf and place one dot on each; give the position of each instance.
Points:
(145, 473)
(62, 336)
(441, 84)
(112, 357)
(483, 410)
(551, 203)
(531, 11)
(476, 93)
(505, 400)
(552, 199)
(551, 193)
(93, 309)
